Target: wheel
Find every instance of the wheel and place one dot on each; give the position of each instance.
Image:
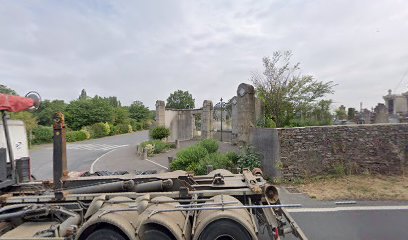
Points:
(224, 229)
(106, 234)
(156, 232)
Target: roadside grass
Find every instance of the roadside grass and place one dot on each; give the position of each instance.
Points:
(356, 187)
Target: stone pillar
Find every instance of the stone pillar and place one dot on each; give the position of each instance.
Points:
(206, 120)
(246, 111)
(259, 110)
(380, 113)
(160, 113)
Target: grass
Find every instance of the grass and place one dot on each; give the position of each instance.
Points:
(357, 187)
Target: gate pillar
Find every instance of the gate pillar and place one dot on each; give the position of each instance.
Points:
(206, 120)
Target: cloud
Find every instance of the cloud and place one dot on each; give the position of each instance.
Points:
(144, 50)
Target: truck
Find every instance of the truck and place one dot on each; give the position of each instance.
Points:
(177, 205)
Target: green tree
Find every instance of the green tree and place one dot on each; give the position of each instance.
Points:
(80, 113)
(121, 116)
(341, 113)
(180, 100)
(138, 111)
(286, 94)
(351, 114)
(47, 110)
(113, 101)
(83, 95)
(5, 90)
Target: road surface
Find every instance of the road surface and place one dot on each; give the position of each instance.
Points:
(366, 220)
(81, 155)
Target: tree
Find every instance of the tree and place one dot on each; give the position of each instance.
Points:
(321, 112)
(351, 114)
(341, 113)
(121, 116)
(83, 95)
(138, 111)
(180, 100)
(286, 94)
(5, 90)
(47, 110)
(80, 113)
(113, 101)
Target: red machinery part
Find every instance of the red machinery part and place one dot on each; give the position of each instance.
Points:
(12, 103)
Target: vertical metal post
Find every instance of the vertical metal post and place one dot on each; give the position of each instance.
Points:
(60, 150)
(9, 146)
(221, 118)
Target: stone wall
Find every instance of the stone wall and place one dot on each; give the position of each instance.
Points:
(181, 122)
(310, 151)
(377, 148)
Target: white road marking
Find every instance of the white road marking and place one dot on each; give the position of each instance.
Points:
(91, 169)
(354, 208)
(94, 147)
(157, 164)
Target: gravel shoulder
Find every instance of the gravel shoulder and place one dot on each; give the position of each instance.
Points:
(362, 187)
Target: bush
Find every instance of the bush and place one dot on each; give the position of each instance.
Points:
(112, 129)
(87, 130)
(100, 130)
(248, 158)
(233, 157)
(159, 133)
(266, 122)
(158, 146)
(122, 128)
(147, 124)
(73, 136)
(210, 144)
(197, 157)
(188, 156)
(136, 126)
(216, 160)
(42, 134)
(150, 149)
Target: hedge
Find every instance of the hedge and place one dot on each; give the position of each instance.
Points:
(42, 134)
(122, 128)
(73, 136)
(100, 130)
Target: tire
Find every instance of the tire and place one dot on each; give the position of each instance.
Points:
(106, 234)
(224, 229)
(156, 234)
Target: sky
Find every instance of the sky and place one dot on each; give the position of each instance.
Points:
(144, 50)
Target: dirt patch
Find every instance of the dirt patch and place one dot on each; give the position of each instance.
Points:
(358, 188)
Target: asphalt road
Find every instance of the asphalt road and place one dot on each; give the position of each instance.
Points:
(81, 155)
(355, 224)
(365, 220)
